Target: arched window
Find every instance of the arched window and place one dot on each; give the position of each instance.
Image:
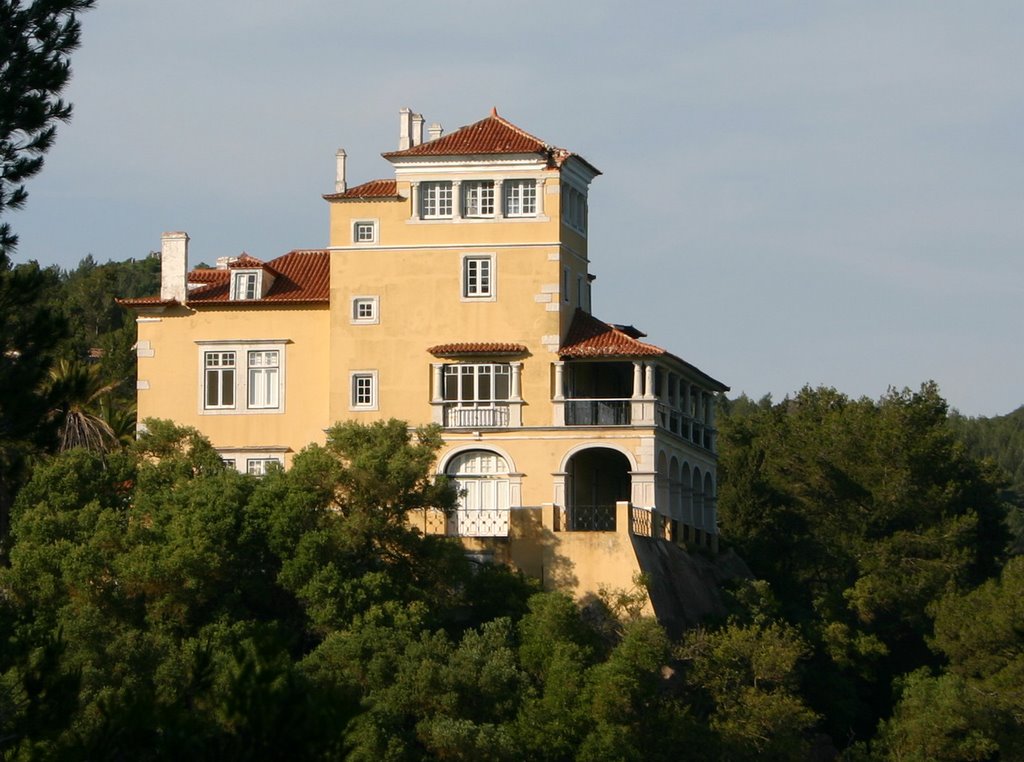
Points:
(482, 479)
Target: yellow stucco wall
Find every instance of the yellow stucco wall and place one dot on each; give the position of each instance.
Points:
(170, 352)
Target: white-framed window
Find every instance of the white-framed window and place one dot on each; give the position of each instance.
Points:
(477, 382)
(364, 231)
(245, 285)
(264, 379)
(219, 380)
(520, 198)
(478, 276)
(238, 377)
(253, 460)
(478, 198)
(574, 208)
(262, 465)
(365, 310)
(363, 385)
(436, 199)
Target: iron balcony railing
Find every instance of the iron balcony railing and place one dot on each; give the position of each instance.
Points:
(597, 412)
(592, 518)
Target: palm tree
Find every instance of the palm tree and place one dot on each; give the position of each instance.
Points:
(76, 390)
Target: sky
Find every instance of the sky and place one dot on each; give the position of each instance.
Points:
(792, 193)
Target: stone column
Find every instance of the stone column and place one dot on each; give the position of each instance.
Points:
(414, 191)
(456, 199)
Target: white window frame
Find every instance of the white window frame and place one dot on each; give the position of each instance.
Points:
(478, 199)
(364, 232)
(360, 382)
(245, 402)
(365, 310)
(246, 285)
(222, 365)
(476, 372)
(519, 198)
(263, 379)
(436, 200)
(256, 465)
(474, 286)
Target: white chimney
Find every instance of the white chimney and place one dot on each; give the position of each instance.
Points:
(404, 129)
(417, 129)
(434, 131)
(173, 266)
(339, 182)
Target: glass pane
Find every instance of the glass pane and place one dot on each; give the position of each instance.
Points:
(484, 383)
(468, 390)
(227, 379)
(502, 382)
(211, 388)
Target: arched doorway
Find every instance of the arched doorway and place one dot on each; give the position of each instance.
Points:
(482, 480)
(596, 478)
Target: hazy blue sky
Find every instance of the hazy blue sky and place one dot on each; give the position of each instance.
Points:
(822, 193)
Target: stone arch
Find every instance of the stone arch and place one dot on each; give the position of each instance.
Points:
(590, 446)
(661, 492)
(697, 486)
(709, 522)
(675, 490)
(446, 459)
(483, 479)
(596, 478)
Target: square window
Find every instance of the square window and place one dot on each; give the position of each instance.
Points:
(364, 309)
(436, 200)
(478, 198)
(477, 277)
(364, 390)
(520, 198)
(364, 231)
(241, 377)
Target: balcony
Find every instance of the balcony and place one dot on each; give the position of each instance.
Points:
(597, 412)
(481, 415)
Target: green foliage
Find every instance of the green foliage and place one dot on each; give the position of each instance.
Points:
(1000, 440)
(972, 709)
(749, 676)
(36, 39)
(859, 514)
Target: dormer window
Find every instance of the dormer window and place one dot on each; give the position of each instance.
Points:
(478, 198)
(436, 200)
(245, 285)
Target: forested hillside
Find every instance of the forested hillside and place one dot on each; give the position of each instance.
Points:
(156, 604)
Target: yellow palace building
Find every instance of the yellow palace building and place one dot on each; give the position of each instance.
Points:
(458, 292)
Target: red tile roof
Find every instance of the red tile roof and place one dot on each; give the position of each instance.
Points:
(299, 277)
(493, 135)
(590, 337)
(477, 348)
(372, 189)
